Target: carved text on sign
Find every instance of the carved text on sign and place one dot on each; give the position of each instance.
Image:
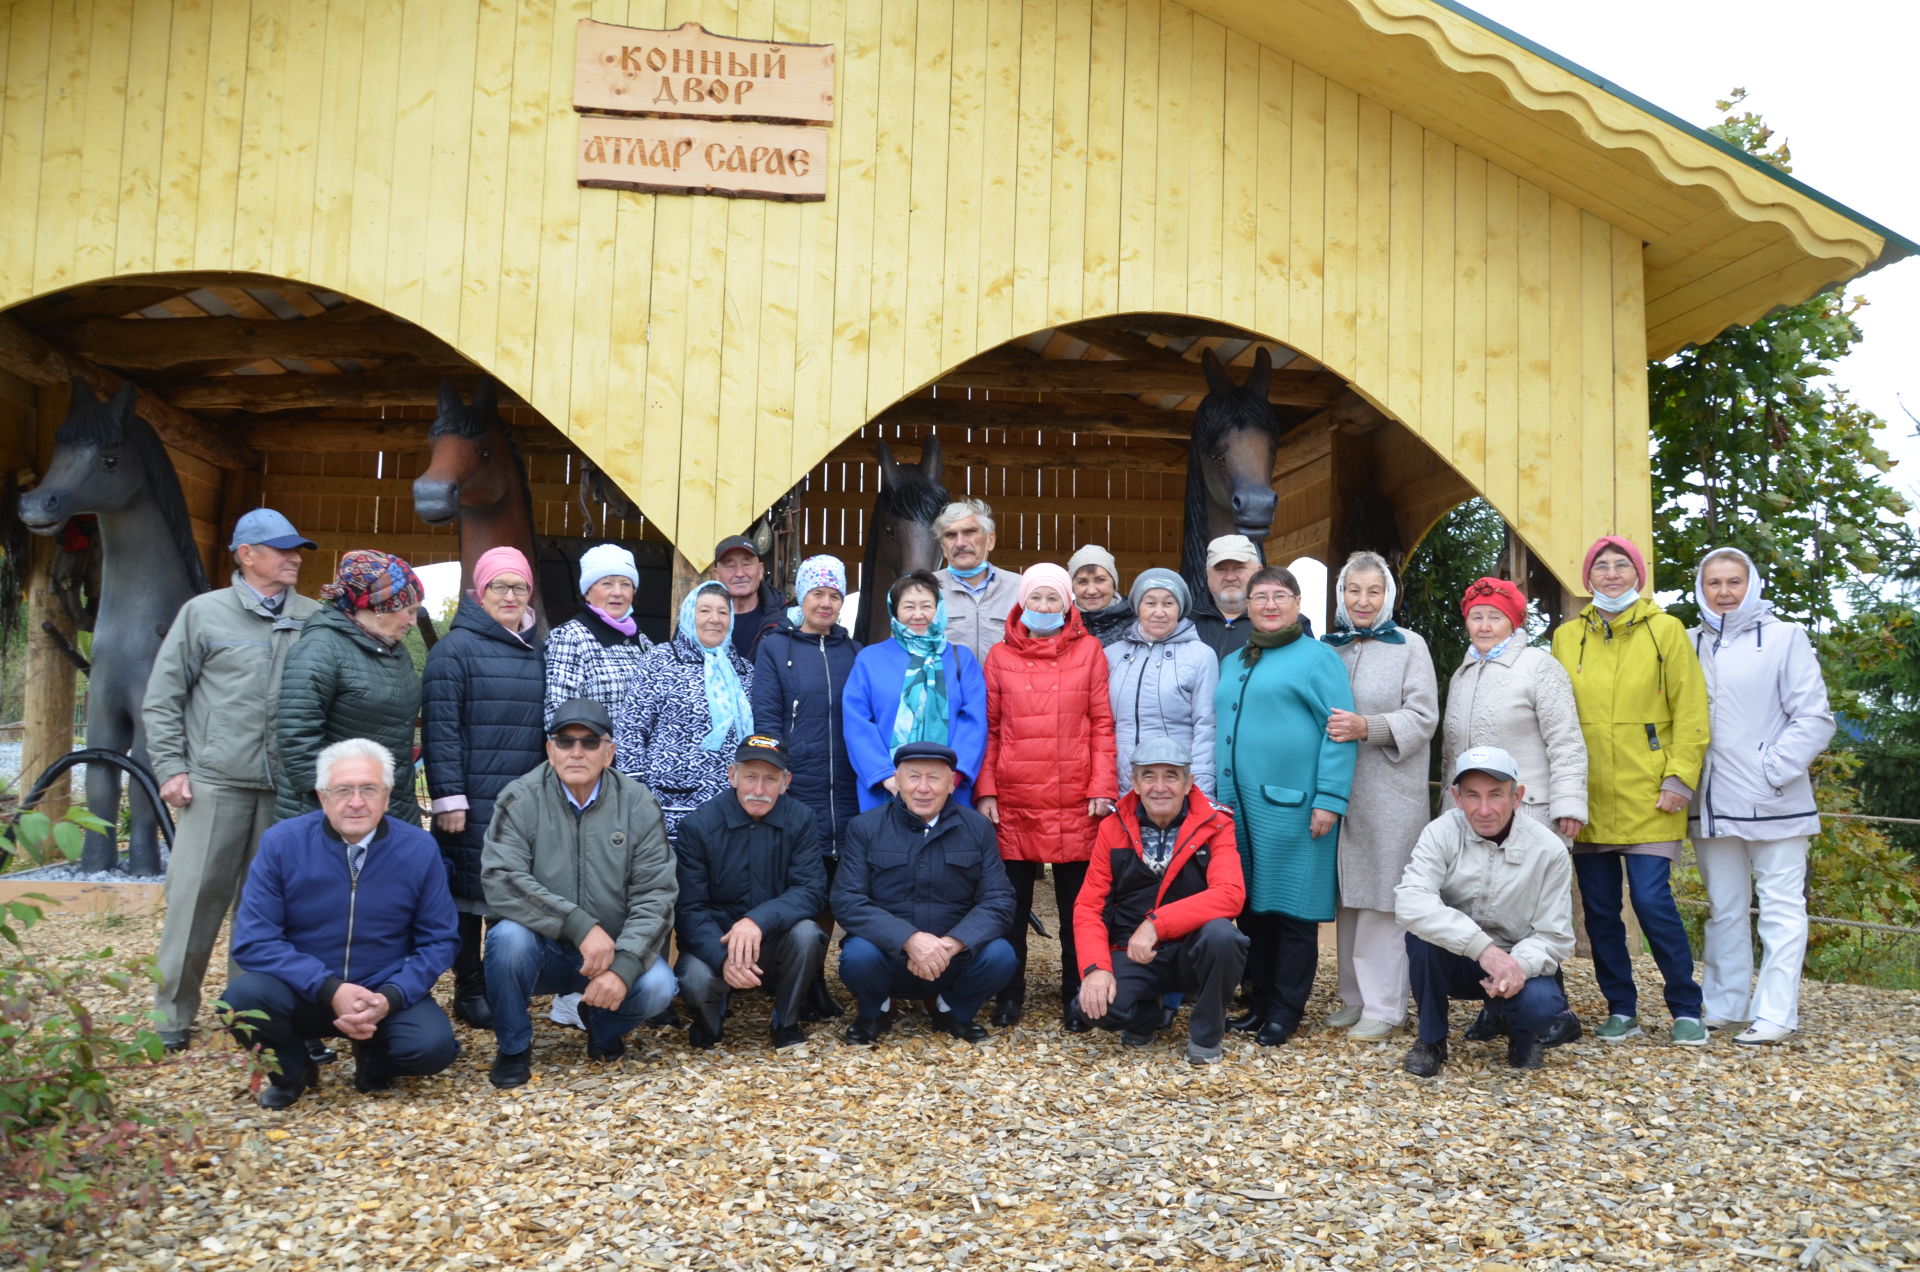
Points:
(690, 72)
(704, 156)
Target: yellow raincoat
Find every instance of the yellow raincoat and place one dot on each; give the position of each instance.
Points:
(1643, 710)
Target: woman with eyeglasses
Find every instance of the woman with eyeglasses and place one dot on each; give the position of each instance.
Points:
(482, 726)
(691, 708)
(1643, 711)
(1288, 782)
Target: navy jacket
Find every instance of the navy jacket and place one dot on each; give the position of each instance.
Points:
(898, 876)
(799, 683)
(748, 630)
(304, 920)
(482, 726)
(733, 867)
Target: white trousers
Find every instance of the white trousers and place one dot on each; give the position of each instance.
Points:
(1734, 870)
(1373, 964)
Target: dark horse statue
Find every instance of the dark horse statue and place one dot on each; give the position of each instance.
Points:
(1229, 467)
(108, 462)
(900, 537)
(474, 473)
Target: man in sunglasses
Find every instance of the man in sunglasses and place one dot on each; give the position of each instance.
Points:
(577, 869)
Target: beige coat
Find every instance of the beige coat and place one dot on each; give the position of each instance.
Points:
(1464, 893)
(1393, 687)
(1522, 702)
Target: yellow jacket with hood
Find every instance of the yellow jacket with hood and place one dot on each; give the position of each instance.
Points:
(1642, 700)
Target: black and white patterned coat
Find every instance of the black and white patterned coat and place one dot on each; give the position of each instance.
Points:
(658, 728)
(588, 659)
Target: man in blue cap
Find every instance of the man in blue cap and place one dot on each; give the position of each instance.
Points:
(925, 901)
(209, 720)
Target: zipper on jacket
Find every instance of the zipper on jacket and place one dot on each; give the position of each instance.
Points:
(353, 905)
(826, 667)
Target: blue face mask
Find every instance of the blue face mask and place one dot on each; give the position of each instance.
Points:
(974, 573)
(1614, 604)
(1044, 624)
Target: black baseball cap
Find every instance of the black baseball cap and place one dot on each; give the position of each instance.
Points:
(733, 541)
(765, 749)
(581, 711)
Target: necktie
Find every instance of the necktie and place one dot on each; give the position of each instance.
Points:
(356, 858)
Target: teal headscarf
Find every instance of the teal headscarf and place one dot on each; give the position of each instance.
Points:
(922, 715)
(728, 706)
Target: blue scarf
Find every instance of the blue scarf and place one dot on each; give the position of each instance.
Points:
(922, 714)
(1385, 631)
(728, 706)
(1474, 652)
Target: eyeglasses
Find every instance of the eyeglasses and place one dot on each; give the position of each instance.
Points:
(1272, 598)
(521, 590)
(584, 741)
(1612, 567)
(367, 791)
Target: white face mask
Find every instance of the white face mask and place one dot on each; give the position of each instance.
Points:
(1614, 604)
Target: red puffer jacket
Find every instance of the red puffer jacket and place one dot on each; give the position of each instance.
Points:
(1049, 740)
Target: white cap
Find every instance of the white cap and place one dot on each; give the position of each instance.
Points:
(1231, 547)
(604, 560)
(1490, 760)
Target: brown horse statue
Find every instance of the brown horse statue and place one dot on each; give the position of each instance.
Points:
(900, 537)
(1229, 468)
(474, 473)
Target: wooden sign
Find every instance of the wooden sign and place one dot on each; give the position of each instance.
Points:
(704, 156)
(691, 73)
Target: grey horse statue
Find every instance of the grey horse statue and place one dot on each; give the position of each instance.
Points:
(107, 461)
(1229, 467)
(900, 537)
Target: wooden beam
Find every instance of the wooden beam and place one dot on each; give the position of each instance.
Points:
(144, 343)
(1120, 418)
(1040, 375)
(388, 386)
(1022, 505)
(417, 546)
(285, 485)
(332, 434)
(33, 359)
(1116, 338)
(1157, 459)
(109, 301)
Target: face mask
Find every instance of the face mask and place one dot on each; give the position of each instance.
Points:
(974, 573)
(1614, 604)
(1044, 624)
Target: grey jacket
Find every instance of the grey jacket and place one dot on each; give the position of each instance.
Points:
(1464, 893)
(979, 622)
(1394, 688)
(1163, 689)
(214, 694)
(1522, 702)
(559, 875)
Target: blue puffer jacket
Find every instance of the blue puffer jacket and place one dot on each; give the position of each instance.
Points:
(873, 699)
(482, 712)
(304, 919)
(799, 683)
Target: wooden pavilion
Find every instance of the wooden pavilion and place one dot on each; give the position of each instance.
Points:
(287, 220)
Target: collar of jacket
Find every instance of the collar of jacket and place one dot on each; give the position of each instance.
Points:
(472, 617)
(612, 783)
(1201, 815)
(792, 630)
(1624, 623)
(244, 594)
(598, 629)
(330, 617)
(1515, 848)
(1025, 644)
(950, 816)
(379, 832)
(1183, 631)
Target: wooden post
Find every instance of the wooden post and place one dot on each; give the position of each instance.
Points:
(47, 713)
(685, 579)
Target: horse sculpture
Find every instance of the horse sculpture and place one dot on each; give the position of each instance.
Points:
(474, 473)
(1229, 467)
(900, 537)
(107, 461)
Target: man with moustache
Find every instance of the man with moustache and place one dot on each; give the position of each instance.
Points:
(978, 596)
(1220, 611)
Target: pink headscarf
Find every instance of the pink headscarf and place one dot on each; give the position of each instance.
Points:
(497, 561)
(1046, 574)
(1615, 542)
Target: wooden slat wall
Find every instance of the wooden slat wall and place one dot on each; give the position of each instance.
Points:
(416, 154)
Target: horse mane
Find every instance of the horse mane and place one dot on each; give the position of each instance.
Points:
(914, 497)
(100, 425)
(471, 422)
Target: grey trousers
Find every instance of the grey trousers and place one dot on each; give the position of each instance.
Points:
(789, 961)
(214, 840)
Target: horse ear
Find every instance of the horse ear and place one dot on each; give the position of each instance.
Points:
(82, 392)
(930, 460)
(1261, 377)
(122, 403)
(449, 398)
(486, 396)
(889, 468)
(1218, 381)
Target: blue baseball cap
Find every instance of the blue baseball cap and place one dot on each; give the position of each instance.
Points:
(268, 528)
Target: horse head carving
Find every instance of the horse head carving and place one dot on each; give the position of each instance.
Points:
(900, 537)
(474, 473)
(1229, 465)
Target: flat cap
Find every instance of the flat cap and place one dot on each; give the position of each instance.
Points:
(925, 751)
(1161, 750)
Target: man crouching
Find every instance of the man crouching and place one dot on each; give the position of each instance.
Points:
(1162, 888)
(576, 866)
(1486, 902)
(345, 923)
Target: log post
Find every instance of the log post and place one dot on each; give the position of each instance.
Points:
(685, 579)
(47, 713)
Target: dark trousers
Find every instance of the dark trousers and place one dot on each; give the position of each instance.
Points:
(1205, 964)
(415, 1040)
(1438, 976)
(875, 975)
(789, 961)
(1067, 879)
(1283, 953)
(1649, 880)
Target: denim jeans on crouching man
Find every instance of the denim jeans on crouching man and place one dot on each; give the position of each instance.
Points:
(521, 963)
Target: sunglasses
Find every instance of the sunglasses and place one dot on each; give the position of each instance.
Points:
(571, 741)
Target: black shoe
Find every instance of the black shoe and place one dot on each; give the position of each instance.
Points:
(176, 1040)
(701, 1037)
(820, 1004)
(277, 1095)
(1531, 1054)
(667, 1018)
(785, 1036)
(473, 1010)
(595, 1053)
(867, 1030)
(372, 1070)
(965, 1030)
(1167, 1014)
(1128, 1038)
(319, 1052)
(511, 1070)
(1006, 1013)
(1275, 1033)
(1564, 1029)
(1425, 1058)
(1253, 1022)
(1073, 1020)
(1487, 1026)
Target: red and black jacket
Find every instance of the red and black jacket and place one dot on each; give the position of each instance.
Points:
(1202, 881)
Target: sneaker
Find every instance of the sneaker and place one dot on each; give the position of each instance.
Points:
(1687, 1031)
(1618, 1028)
(565, 1011)
(1715, 1024)
(1371, 1031)
(1345, 1018)
(1759, 1035)
(1197, 1054)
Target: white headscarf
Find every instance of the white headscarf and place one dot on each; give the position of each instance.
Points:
(1750, 610)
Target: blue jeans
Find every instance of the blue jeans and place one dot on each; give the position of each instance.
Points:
(875, 975)
(416, 1040)
(521, 963)
(1438, 976)
(1649, 880)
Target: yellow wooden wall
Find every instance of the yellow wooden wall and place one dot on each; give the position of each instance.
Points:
(998, 166)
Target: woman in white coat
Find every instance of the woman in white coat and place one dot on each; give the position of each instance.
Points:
(1753, 815)
(1396, 709)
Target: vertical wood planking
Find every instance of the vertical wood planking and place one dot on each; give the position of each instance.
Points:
(486, 182)
(1436, 320)
(1534, 366)
(1033, 190)
(263, 136)
(1140, 140)
(1469, 369)
(965, 177)
(927, 211)
(104, 117)
(298, 160)
(1339, 336)
(456, 65)
(138, 208)
(1240, 178)
(381, 36)
(412, 163)
(1373, 247)
(1271, 292)
(22, 127)
(1206, 168)
(1630, 462)
(1565, 388)
(814, 425)
(742, 428)
(61, 142)
(858, 125)
(1404, 295)
(560, 230)
(1171, 196)
(1597, 509)
(1105, 192)
(1000, 152)
(180, 135)
(1307, 218)
(892, 199)
(1067, 201)
(1501, 440)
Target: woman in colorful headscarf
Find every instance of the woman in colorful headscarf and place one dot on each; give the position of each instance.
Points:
(1643, 712)
(350, 676)
(1049, 774)
(677, 731)
(1396, 707)
(482, 726)
(916, 686)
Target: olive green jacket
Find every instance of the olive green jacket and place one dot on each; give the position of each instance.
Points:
(340, 682)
